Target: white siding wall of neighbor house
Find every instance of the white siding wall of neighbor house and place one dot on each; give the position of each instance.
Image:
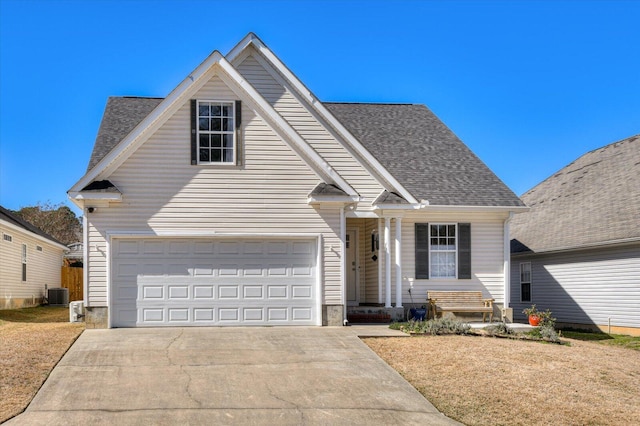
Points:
(583, 286)
(487, 255)
(164, 195)
(296, 112)
(43, 267)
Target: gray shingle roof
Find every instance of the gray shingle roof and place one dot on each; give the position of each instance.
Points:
(10, 217)
(594, 200)
(408, 140)
(120, 117)
(422, 153)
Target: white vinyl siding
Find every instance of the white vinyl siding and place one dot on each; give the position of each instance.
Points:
(297, 114)
(487, 255)
(584, 286)
(43, 267)
(164, 195)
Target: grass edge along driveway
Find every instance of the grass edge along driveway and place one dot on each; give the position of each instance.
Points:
(490, 381)
(32, 341)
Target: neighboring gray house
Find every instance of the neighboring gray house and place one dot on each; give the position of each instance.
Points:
(30, 260)
(577, 251)
(241, 199)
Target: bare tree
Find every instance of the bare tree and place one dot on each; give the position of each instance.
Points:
(57, 220)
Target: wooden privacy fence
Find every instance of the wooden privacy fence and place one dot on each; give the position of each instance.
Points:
(72, 280)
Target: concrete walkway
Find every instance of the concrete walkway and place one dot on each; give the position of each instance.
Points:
(261, 376)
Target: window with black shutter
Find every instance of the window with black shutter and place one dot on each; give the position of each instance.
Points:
(443, 250)
(215, 129)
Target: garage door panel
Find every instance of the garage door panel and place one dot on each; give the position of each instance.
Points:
(214, 282)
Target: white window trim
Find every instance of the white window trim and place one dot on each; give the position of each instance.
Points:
(431, 276)
(530, 282)
(7, 237)
(235, 134)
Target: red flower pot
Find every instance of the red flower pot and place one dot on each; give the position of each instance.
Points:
(534, 320)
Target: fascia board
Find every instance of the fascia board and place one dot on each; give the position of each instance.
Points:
(151, 122)
(298, 144)
(316, 104)
(87, 196)
(241, 46)
(333, 199)
(16, 228)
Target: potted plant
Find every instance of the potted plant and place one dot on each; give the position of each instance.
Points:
(534, 315)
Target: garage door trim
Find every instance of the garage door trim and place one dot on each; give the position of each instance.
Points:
(316, 240)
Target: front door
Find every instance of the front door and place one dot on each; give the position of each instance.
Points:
(352, 267)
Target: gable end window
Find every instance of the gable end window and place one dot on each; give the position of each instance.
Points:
(6, 237)
(214, 132)
(443, 250)
(525, 282)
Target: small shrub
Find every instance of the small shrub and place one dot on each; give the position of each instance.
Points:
(499, 329)
(437, 326)
(547, 332)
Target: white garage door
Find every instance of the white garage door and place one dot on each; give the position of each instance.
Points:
(188, 282)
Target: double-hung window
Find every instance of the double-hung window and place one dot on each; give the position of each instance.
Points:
(216, 136)
(443, 250)
(525, 282)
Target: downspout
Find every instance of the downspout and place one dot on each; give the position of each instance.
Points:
(343, 264)
(507, 261)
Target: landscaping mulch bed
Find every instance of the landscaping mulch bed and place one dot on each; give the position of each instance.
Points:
(488, 381)
(32, 341)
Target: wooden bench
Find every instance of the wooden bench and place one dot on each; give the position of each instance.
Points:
(459, 301)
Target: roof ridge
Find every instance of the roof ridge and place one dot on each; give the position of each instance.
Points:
(371, 103)
(593, 151)
(136, 97)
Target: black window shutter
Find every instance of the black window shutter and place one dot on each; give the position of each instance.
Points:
(422, 251)
(238, 114)
(464, 251)
(194, 132)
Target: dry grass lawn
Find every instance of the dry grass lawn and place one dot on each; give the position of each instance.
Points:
(32, 341)
(491, 381)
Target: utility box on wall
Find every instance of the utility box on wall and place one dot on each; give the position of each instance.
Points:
(76, 311)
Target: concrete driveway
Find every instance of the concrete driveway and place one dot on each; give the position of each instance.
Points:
(266, 375)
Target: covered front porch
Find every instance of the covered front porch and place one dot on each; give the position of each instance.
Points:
(375, 285)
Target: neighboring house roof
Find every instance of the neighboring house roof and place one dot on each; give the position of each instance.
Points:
(408, 140)
(11, 218)
(594, 200)
(423, 154)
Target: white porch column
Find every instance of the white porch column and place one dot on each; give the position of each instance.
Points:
(387, 262)
(398, 244)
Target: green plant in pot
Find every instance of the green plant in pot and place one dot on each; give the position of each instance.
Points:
(535, 316)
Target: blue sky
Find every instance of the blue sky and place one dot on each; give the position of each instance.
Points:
(529, 86)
